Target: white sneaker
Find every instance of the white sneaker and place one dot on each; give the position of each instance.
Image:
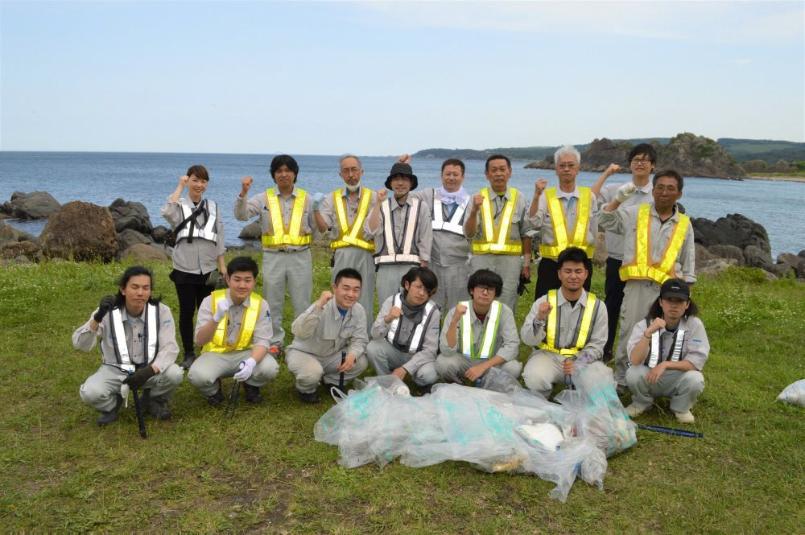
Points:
(685, 417)
(636, 410)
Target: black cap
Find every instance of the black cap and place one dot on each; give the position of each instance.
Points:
(401, 169)
(675, 288)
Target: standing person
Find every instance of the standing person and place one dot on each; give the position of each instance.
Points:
(234, 328)
(567, 327)
(667, 351)
(497, 224)
(199, 249)
(450, 253)
(405, 335)
(286, 217)
(479, 334)
(657, 246)
(329, 338)
(567, 216)
(138, 348)
(642, 161)
(341, 215)
(401, 229)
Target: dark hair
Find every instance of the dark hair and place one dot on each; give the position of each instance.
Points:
(130, 272)
(453, 161)
(574, 254)
(425, 275)
(287, 161)
(200, 171)
(485, 277)
(242, 264)
(656, 310)
(644, 149)
(669, 173)
(347, 273)
(497, 157)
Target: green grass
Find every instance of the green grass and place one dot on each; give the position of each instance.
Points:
(264, 472)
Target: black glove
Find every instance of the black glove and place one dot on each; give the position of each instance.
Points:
(138, 378)
(521, 285)
(106, 304)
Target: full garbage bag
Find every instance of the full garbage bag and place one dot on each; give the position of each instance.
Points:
(496, 431)
(794, 393)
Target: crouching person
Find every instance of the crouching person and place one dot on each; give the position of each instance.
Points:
(329, 338)
(138, 348)
(667, 352)
(568, 327)
(479, 334)
(234, 328)
(405, 335)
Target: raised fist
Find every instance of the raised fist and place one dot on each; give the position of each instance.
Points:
(460, 310)
(382, 194)
(183, 180)
(612, 169)
(656, 325)
(540, 185)
(543, 310)
(245, 184)
(324, 298)
(625, 191)
(477, 201)
(106, 304)
(393, 314)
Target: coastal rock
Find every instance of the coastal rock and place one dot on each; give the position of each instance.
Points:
(692, 155)
(728, 251)
(603, 152)
(734, 229)
(142, 252)
(600, 254)
(252, 231)
(80, 231)
(15, 250)
(796, 262)
(703, 255)
(10, 234)
(715, 266)
(129, 237)
(757, 257)
(130, 215)
(34, 205)
(160, 233)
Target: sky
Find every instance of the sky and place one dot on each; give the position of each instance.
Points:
(381, 78)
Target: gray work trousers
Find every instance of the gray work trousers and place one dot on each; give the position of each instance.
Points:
(361, 260)
(683, 387)
(452, 368)
(386, 358)
(508, 267)
(310, 369)
(293, 269)
(209, 367)
(543, 370)
(388, 280)
(101, 388)
(452, 285)
(638, 295)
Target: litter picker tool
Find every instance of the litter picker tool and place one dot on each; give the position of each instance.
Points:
(671, 431)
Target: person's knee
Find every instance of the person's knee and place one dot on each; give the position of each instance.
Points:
(267, 368)
(635, 375)
(446, 369)
(200, 377)
(361, 363)
(91, 392)
(694, 381)
(374, 351)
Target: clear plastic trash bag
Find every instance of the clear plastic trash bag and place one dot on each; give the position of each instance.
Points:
(794, 393)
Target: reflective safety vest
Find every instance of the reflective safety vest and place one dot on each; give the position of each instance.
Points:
(559, 222)
(151, 334)
(281, 237)
(218, 344)
(490, 332)
(495, 240)
(583, 328)
(643, 267)
(655, 353)
(456, 223)
(418, 336)
(352, 236)
(207, 232)
(405, 254)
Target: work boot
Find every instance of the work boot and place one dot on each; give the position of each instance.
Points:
(189, 357)
(158, 408)
(685, 417)
(635, 409)
(309, 397)
(217, 398)
(252, 393)
(107, 417)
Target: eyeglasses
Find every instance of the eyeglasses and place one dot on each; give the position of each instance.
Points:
(350, 170)
(566, 166)
(638, 161)
(485, 289)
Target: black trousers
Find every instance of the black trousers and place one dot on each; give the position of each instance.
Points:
(548, 278)
(613, 287)
(191, 290)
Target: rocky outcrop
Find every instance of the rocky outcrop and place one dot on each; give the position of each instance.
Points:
(160, 233)
(252, 231)
(18, 246)
(734, 229)
(142, 252)
(130, 215)
(80, 231)
(34, 205)
(129, 237)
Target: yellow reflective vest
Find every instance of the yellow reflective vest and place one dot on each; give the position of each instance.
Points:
(352, 236)
(584, 327)
(218, 343)
(643, 267)
(281, 236)
(495, 240)
(559, 222)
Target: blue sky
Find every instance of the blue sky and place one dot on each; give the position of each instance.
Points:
(383, 78)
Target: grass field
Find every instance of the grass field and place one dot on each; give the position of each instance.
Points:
(263, 472)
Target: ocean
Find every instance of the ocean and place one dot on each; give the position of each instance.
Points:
(149, 178)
